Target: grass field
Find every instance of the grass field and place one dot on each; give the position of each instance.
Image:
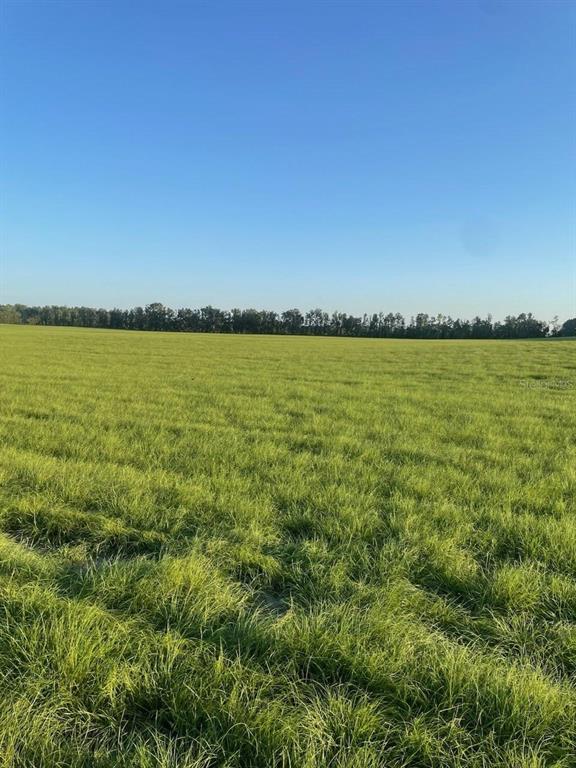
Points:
(268, 551)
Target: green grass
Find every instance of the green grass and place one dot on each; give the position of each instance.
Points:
(297, 552)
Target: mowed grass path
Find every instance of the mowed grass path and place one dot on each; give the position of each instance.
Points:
(267, 551)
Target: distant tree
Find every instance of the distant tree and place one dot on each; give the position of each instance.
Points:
(212, 320)
(236, 320)
(568, 328)
(292, 321)
(9, 314)
(118, 318)
(187, 320)
(157, 317)
(528, 327)
(317, 322)
(481, 329)
(389, 325)
(103, 318)
(351, 325)
(337, 324)
(250, 321)
(373, 325)
(270, 322)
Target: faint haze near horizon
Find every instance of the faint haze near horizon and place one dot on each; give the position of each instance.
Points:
(410, 157)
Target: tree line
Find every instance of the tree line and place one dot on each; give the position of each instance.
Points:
(315, 322)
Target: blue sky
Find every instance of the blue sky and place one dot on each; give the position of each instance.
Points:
(403, 156)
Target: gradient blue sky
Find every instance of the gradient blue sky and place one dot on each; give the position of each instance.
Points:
(404, 156)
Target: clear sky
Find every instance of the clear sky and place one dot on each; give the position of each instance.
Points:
(403, 156)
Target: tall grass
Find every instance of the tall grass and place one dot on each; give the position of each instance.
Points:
(291, 552)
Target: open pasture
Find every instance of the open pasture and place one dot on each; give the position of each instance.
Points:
(249, 552)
